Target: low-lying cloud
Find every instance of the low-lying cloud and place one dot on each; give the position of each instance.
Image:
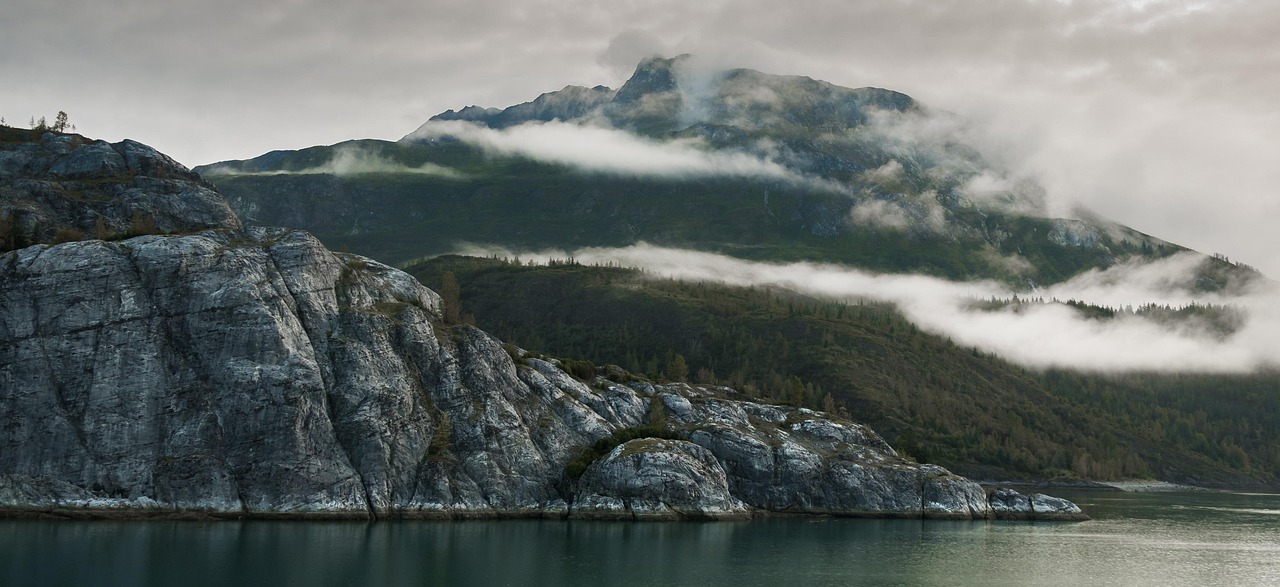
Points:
(606, 150)
(347, 161)
(1159, 114)
(988, 170)
(1034, 335)
(921, 212)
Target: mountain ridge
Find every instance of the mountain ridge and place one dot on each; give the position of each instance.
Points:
(865, 177)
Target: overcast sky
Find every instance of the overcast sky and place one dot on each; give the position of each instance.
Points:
(1161, 114)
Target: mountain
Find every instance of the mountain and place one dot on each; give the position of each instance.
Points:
(224, 371)
(786, 168)
(740, 162)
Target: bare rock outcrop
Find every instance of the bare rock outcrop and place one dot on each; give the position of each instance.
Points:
(83, 187)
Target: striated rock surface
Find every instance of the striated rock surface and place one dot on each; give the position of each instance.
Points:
(66, 181)
(252, 372)
(654, 478)
(257, 373)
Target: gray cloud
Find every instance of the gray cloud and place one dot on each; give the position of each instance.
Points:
(607, 150)
(348, 160)
(1039, 336)
(1159, 114)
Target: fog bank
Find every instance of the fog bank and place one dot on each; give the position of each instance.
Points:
(1033, 335)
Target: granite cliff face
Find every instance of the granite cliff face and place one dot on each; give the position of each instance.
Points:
(51, 181)
(252, 372)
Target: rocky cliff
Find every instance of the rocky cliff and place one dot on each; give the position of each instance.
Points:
(56, 186)
(252, 372)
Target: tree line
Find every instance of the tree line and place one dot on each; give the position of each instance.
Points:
(61, 123)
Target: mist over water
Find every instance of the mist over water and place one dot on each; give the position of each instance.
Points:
(1034, 335)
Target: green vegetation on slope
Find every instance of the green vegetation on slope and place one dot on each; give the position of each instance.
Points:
(526, 205)
(933, 399)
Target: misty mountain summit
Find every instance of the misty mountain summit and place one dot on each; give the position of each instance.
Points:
(570, 103)
(739, 162)
(669, 96)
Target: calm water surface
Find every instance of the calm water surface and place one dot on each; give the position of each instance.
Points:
(1134, 539)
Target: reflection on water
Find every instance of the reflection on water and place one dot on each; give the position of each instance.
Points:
(1153, 539)
(1241, 510)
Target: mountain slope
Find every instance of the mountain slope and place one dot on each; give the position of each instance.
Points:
(970, 411)
(749, 164)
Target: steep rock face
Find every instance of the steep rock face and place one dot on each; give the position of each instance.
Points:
(257, 373)
(65, 181)
(260, 373)
(182, 369)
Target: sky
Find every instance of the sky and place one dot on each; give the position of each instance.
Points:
(1160, 114)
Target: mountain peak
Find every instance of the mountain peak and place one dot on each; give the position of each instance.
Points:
(471, 113)
(654, 75)
(673, 94)
(569, 103)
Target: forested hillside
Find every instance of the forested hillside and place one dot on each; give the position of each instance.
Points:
(936, 400)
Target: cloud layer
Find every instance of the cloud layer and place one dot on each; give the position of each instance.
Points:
(348, 160)
(607, 150)
(1158, 113)
(1036, 335)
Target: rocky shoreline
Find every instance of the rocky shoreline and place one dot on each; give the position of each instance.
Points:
(201, 516)
(1005, 504)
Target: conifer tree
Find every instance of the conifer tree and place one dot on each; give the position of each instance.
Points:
(677, 369)
(60, 123)
(450, 298)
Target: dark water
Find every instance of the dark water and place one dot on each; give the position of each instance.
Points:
(1135, 539)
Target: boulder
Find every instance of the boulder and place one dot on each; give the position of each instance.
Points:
(654, 478)
(1007, 504)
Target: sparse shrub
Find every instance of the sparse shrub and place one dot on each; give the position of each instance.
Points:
(67, 235)
(440, 448)
(8, 232)
(451, 298)
(100, 230)
(514, 352)
(576, 467)
(581, 368)
(356, 263)
(140, 224)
